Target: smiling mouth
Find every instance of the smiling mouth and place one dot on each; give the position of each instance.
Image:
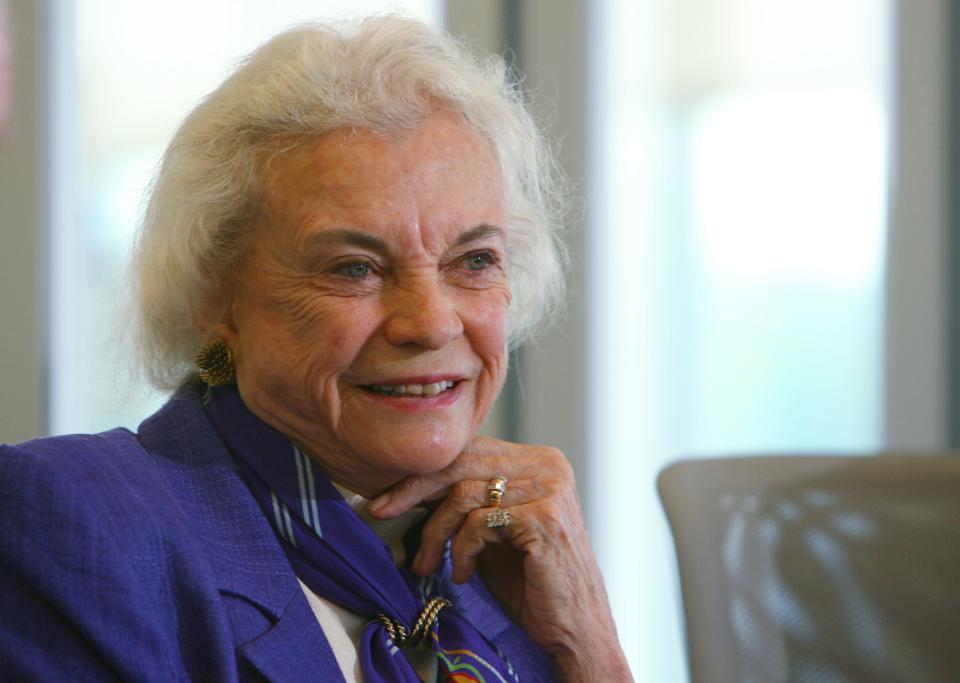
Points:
(411, 390)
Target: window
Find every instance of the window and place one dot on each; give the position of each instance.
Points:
(736, 256)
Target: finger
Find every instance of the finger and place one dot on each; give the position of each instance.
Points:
(474, 536)
(450, 516)
(475, 465)
(482, 459)
(410, 492)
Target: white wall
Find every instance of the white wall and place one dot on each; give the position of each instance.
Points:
(22, 231)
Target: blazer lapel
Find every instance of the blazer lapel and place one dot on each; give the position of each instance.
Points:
(287, 652)
(275, 630)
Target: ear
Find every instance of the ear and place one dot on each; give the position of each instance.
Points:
(218, 322)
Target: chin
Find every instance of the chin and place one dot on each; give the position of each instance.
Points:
(419, 456)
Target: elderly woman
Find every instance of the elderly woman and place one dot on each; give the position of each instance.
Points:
(340, 245)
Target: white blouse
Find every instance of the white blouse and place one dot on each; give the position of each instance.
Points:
(343, 628)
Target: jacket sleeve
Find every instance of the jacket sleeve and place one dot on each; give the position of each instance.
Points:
(77, 596)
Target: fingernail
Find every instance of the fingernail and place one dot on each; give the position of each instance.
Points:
(379, 502)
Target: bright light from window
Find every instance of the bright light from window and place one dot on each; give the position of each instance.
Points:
(127, 73)
(736, 260)
(786, 187)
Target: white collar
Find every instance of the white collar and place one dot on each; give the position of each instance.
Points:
(390, 531)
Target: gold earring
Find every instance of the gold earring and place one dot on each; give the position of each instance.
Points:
(215, 363)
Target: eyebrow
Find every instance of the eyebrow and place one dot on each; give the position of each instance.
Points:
(364, 240)
(480, 232)
(354, 238)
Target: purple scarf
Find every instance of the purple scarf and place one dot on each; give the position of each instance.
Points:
(339, 558)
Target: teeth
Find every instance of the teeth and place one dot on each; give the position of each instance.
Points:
(414, 389)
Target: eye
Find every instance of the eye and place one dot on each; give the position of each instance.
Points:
(356, 270)
(479, 260)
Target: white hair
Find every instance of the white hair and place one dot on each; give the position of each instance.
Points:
(384, 73)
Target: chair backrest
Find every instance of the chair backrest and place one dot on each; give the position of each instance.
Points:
(818, 568)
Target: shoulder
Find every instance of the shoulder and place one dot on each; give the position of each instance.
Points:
(100, 560)
(70, 454)
(93, 505)
(51, 485)
(118, 477)
(75, 472)
(116, 491)
(83, 557)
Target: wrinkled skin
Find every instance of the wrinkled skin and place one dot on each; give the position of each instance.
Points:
(381, 261)
(541, 566)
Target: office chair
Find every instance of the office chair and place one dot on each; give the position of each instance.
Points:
(830, 569)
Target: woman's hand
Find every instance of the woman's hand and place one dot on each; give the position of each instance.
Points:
(541, 565)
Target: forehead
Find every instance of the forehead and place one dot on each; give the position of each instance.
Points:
(428, 183)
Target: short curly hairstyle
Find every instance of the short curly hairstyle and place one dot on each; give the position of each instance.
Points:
(385, 73)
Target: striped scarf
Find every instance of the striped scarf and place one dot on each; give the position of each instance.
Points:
(339, 558)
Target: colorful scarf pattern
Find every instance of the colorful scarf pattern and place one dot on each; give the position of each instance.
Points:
(339, 558)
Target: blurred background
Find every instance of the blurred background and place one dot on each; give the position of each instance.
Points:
(762, 227)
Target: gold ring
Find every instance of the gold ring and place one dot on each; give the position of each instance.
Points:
(496, 487)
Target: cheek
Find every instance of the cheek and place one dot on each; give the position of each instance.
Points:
(488, 329)
(333, 341)
(302, 341)
(314, 321)
(337, 344)
(489, 313)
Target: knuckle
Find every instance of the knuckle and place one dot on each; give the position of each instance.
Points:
(553, 521)
(552, 485)
(464, 497)
(462, 490)
(555, 463)
(477, 518)
(558, 462)
(557, 484)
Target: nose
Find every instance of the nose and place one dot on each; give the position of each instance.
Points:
(422, 313)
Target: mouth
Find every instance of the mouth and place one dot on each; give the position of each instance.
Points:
(413, 391)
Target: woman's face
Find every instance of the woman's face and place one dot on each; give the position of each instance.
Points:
(368, 320)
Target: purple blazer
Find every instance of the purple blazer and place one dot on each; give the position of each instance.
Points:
(144, 557)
